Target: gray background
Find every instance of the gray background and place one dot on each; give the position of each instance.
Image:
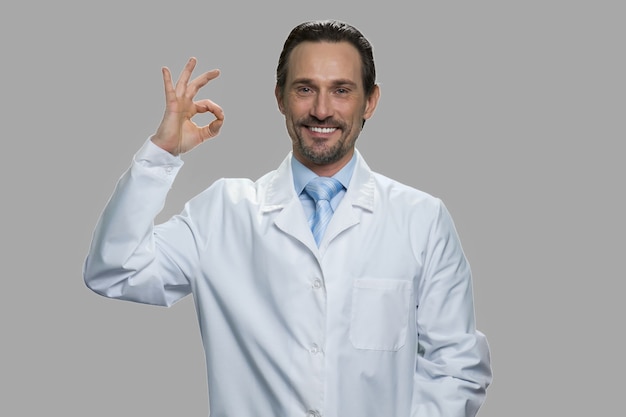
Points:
(511, 112)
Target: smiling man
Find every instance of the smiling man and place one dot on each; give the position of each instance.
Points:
(322, 288)
(325, 103)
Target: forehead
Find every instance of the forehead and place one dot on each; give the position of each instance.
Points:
(322, 61)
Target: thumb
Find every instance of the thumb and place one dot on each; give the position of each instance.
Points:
(212, 129)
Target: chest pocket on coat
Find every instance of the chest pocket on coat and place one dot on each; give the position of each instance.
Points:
(380, 313)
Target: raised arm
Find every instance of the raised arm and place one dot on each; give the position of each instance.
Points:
(129, 258)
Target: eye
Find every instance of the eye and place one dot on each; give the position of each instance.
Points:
(304, 90)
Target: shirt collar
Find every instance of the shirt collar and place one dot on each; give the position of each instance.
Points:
(302, 175)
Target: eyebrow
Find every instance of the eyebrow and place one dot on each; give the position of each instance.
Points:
(335, 83)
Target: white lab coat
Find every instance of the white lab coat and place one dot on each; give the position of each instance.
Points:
(377, 321)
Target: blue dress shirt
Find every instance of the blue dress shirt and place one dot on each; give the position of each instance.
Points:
(302, 175)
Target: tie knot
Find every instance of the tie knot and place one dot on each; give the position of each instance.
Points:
(323, 188)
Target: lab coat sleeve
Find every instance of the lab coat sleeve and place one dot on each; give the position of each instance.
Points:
(128, 259)
(453, 367)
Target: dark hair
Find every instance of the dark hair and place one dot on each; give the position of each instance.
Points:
(328, 31)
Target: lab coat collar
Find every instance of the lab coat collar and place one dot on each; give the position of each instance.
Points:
(281, 195)
(361, 189)
(280, 190)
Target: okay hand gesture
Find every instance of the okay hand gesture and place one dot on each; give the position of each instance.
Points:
(177, 133)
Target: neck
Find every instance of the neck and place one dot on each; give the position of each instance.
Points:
(325, 170)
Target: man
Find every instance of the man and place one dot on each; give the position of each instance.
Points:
(369, 314)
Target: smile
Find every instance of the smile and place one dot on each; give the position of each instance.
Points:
(322, 129)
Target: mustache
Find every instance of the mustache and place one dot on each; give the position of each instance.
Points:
(328, 122)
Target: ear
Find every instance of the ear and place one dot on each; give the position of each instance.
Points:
(371, 102)
(279, 99)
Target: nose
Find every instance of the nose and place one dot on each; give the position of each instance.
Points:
(322, 107)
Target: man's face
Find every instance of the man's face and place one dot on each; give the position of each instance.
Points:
(324, 103)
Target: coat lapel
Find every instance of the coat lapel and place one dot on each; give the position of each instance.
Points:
(280, 196)
(359, 196)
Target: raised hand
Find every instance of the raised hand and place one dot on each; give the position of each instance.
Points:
(177, 133)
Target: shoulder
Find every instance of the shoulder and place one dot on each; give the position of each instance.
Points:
(231, 190)
(398, 194)
(236, 190)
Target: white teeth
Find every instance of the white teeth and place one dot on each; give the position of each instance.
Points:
(323, 129)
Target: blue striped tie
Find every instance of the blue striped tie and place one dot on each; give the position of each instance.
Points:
(322, 190)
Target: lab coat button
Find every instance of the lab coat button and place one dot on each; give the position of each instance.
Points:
(312, 413)
(314, 349)
(317, 284)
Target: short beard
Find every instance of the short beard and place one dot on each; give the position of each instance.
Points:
(322, 156)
